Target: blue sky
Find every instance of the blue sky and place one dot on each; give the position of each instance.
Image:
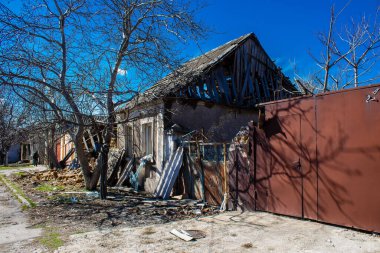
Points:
(287, 29)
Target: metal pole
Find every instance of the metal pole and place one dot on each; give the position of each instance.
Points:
(236, 177)
(225, 173)
(254, 162)
(202, 172)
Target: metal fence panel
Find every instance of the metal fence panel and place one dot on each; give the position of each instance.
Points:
(335, 137)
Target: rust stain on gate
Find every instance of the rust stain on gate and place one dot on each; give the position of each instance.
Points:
(318, 157)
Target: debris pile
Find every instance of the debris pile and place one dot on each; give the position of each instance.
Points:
(63, 177)
(242, 137)
(57, 197)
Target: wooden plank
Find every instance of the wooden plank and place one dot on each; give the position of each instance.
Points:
(266, 85)
(270, 82)
(214, 90)
(213, 182)
(222, 84)
(112, 179)
(251, 88)
(258, 95)
(182, 236)
(253, 76)
(247, 76)
(126, 173)
(225, 172)
(236, 74)
(85, 144)
(233, 87)
(209, 89)
(189, 91)
(194, 91)
(201, 91)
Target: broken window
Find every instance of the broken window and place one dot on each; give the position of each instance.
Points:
(147, 134)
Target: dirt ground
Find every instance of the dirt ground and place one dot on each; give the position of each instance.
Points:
(228, 232)
(69, 219)
(14, 227)
(76, 210)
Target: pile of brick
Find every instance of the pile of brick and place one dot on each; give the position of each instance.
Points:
(63, 177)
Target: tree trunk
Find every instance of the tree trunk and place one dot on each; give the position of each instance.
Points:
(102, 161)
(326, 79)
(103, 158)
(83, 160)
(6, 158)
(356, 76)
(51, 153)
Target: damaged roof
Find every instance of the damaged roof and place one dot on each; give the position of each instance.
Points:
(195, 68)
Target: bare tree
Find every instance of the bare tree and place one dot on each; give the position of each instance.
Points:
(74, 56)
(328, 59)
(13, 119)
(349, 57)
(359, 49)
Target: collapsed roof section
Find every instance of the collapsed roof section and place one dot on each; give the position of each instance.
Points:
(239, 73)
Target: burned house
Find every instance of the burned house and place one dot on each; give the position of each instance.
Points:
(212, 95)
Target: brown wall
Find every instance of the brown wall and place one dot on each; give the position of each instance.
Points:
(220, 123)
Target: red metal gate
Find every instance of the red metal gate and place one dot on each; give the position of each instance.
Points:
(318, 157)
(285, 184)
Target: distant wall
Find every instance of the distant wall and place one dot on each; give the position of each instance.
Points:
(14, 153)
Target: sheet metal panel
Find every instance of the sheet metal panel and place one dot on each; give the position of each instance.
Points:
(284, 184)
(308, 157)
(348, 141)
(339, 153)
(288, 153)
(262, 172)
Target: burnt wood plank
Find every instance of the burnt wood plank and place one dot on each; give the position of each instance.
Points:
(223, 85)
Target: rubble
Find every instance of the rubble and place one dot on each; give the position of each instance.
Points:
(71, 206)
(65, 177)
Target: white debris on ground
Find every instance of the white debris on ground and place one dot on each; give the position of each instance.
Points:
(228, 232)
